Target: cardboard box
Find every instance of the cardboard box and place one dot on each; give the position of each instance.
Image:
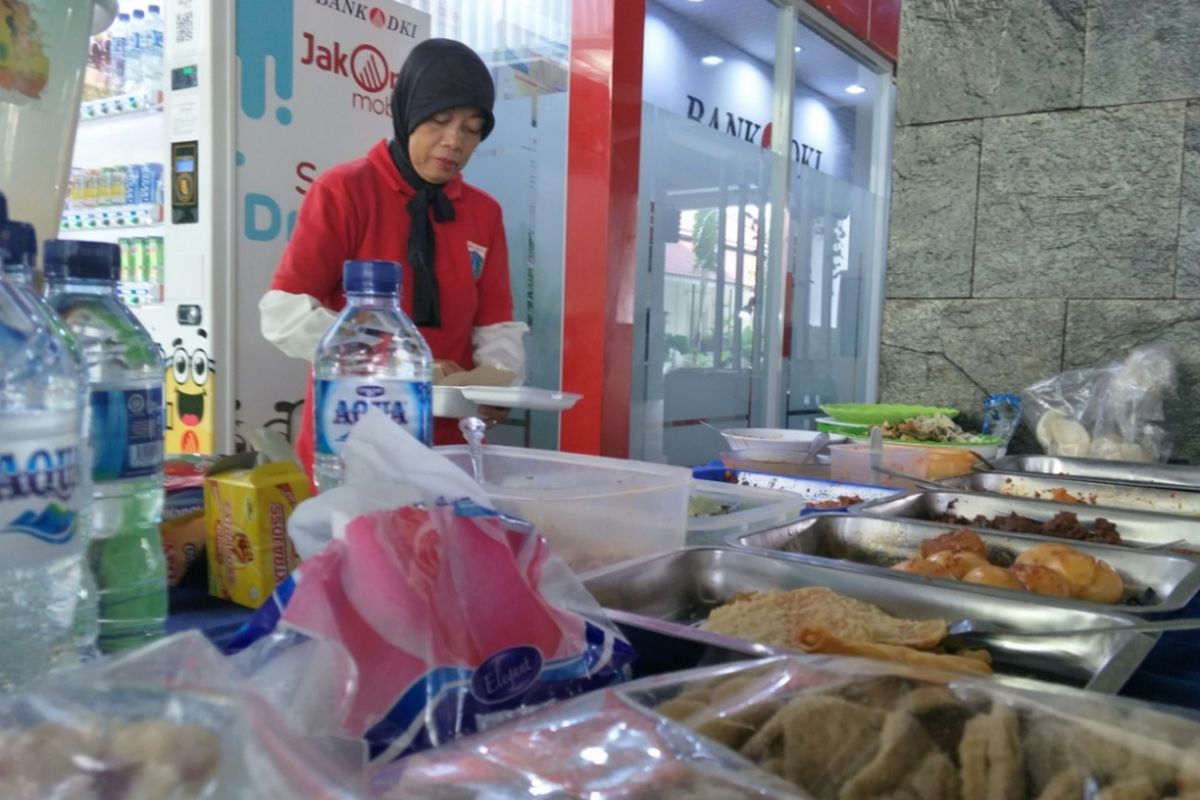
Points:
(246, 513)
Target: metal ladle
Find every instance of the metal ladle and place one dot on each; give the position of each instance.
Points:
(473, 430)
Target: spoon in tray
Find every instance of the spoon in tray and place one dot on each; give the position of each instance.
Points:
(970, 632)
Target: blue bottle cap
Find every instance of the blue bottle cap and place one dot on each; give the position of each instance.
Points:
(93, 261)
(123, 17)
(152, 9)
(371, 277)
(139, 14)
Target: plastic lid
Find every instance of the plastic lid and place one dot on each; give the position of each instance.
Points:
(96, 261)
(371, 277)
(123, 17)
(18, 243)
(152, 9)
(139, 14)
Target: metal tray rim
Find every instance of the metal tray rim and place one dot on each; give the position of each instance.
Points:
(1184, 592)
(1109, 679)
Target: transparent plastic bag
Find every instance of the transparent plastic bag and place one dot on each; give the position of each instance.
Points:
(1115, 412)
(846, 729)
(599, 747)
(171, 721)
(451, 617)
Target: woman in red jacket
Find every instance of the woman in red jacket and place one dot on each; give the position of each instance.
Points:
(406, 201)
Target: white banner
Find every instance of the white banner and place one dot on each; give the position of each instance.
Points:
(315, 82)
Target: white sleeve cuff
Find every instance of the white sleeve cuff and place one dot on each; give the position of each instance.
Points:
(501, 345)
(295, 323)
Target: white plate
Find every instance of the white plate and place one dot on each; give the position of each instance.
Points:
(782, 442)
(461, 401)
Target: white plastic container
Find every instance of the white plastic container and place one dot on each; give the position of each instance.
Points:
(593, 511)
(719, 510)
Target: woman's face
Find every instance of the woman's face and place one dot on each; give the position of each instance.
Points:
(441, 146)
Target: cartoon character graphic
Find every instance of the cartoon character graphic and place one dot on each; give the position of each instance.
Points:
(189, 389)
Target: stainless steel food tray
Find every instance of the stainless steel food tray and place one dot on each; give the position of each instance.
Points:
(679, 589)
(1137, 527)
(1107, 494)
(1154, 581)
(1123, 471)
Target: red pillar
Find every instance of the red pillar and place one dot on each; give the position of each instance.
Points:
(603, 150)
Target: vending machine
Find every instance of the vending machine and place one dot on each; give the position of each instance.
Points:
(202, 126)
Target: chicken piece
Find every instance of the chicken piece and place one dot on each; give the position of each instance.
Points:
(1041, 580)
(958, 562)
(998, 577)
(964, 540)
(924, 567)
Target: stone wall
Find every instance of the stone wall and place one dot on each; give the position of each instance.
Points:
(1046, 196)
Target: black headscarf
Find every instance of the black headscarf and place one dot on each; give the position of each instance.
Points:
(438, 74)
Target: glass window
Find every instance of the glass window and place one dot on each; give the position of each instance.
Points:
(523, 165)
(705, 228)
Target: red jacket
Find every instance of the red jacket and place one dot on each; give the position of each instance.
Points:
(357, 210)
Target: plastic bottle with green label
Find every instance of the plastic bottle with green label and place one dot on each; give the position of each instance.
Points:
(125, 370)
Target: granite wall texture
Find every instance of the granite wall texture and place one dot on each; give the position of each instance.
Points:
(1046, 195)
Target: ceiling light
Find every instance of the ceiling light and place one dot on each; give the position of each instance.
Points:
(711, 61)
(798, 48)
(696, 1)
(855, 89)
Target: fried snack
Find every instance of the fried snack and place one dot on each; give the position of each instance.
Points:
(776, 617)
(820, 640)
(1040, 554)
(958, 562)
(989, 575)
(926, 567)
(1106, 585)
(956, 541)
(901, 743)
(1067, 785)
(989, 755)
(1139, 788)
(1042, 580)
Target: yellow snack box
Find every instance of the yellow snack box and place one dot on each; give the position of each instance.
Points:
(245, 516)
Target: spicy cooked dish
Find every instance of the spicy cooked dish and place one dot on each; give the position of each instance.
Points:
(841, 501)
(1063, 525)
(818, 620)
(1053, 569)
(892, 737)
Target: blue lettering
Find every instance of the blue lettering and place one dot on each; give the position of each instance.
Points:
(45, 474)
(342, 415)
(269, 230)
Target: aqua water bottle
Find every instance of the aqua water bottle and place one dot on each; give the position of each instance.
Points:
(372, 357)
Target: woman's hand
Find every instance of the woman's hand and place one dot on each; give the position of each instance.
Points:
(493, 415)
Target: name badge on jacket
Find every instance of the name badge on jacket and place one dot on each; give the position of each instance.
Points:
(477, 253)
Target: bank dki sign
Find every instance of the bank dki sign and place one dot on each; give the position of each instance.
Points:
(742, 128)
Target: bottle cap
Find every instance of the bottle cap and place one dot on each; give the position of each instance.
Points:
(123, 17)
(18, 244)
(152, 9)
(371, 277)
(96, 261)
(138, 13)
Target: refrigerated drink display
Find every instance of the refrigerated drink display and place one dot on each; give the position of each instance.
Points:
(125, 372)
(142, 265)
(120, 196)
(125, 66)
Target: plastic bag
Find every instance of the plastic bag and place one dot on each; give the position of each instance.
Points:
(1113, 412)
(847, 728)
(598, 747)
(172, 720)
(453, 619)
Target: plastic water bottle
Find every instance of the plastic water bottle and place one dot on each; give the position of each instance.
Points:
(134, 49)
(152, 50)
(372, 356)
(125, 370)
(118, 37)
(44, 621)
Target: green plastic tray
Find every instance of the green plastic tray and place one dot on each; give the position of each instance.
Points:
(880, 413)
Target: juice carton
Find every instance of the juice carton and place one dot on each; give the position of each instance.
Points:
(246, 513)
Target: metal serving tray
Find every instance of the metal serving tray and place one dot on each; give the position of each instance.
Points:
(679, 589)
(1107, 494)
(1122, 471)
(1139, 527)
(1154, 581)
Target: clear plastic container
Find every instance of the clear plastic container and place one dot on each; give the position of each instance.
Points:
(852, 462)
(593, 511)
(719, 510)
